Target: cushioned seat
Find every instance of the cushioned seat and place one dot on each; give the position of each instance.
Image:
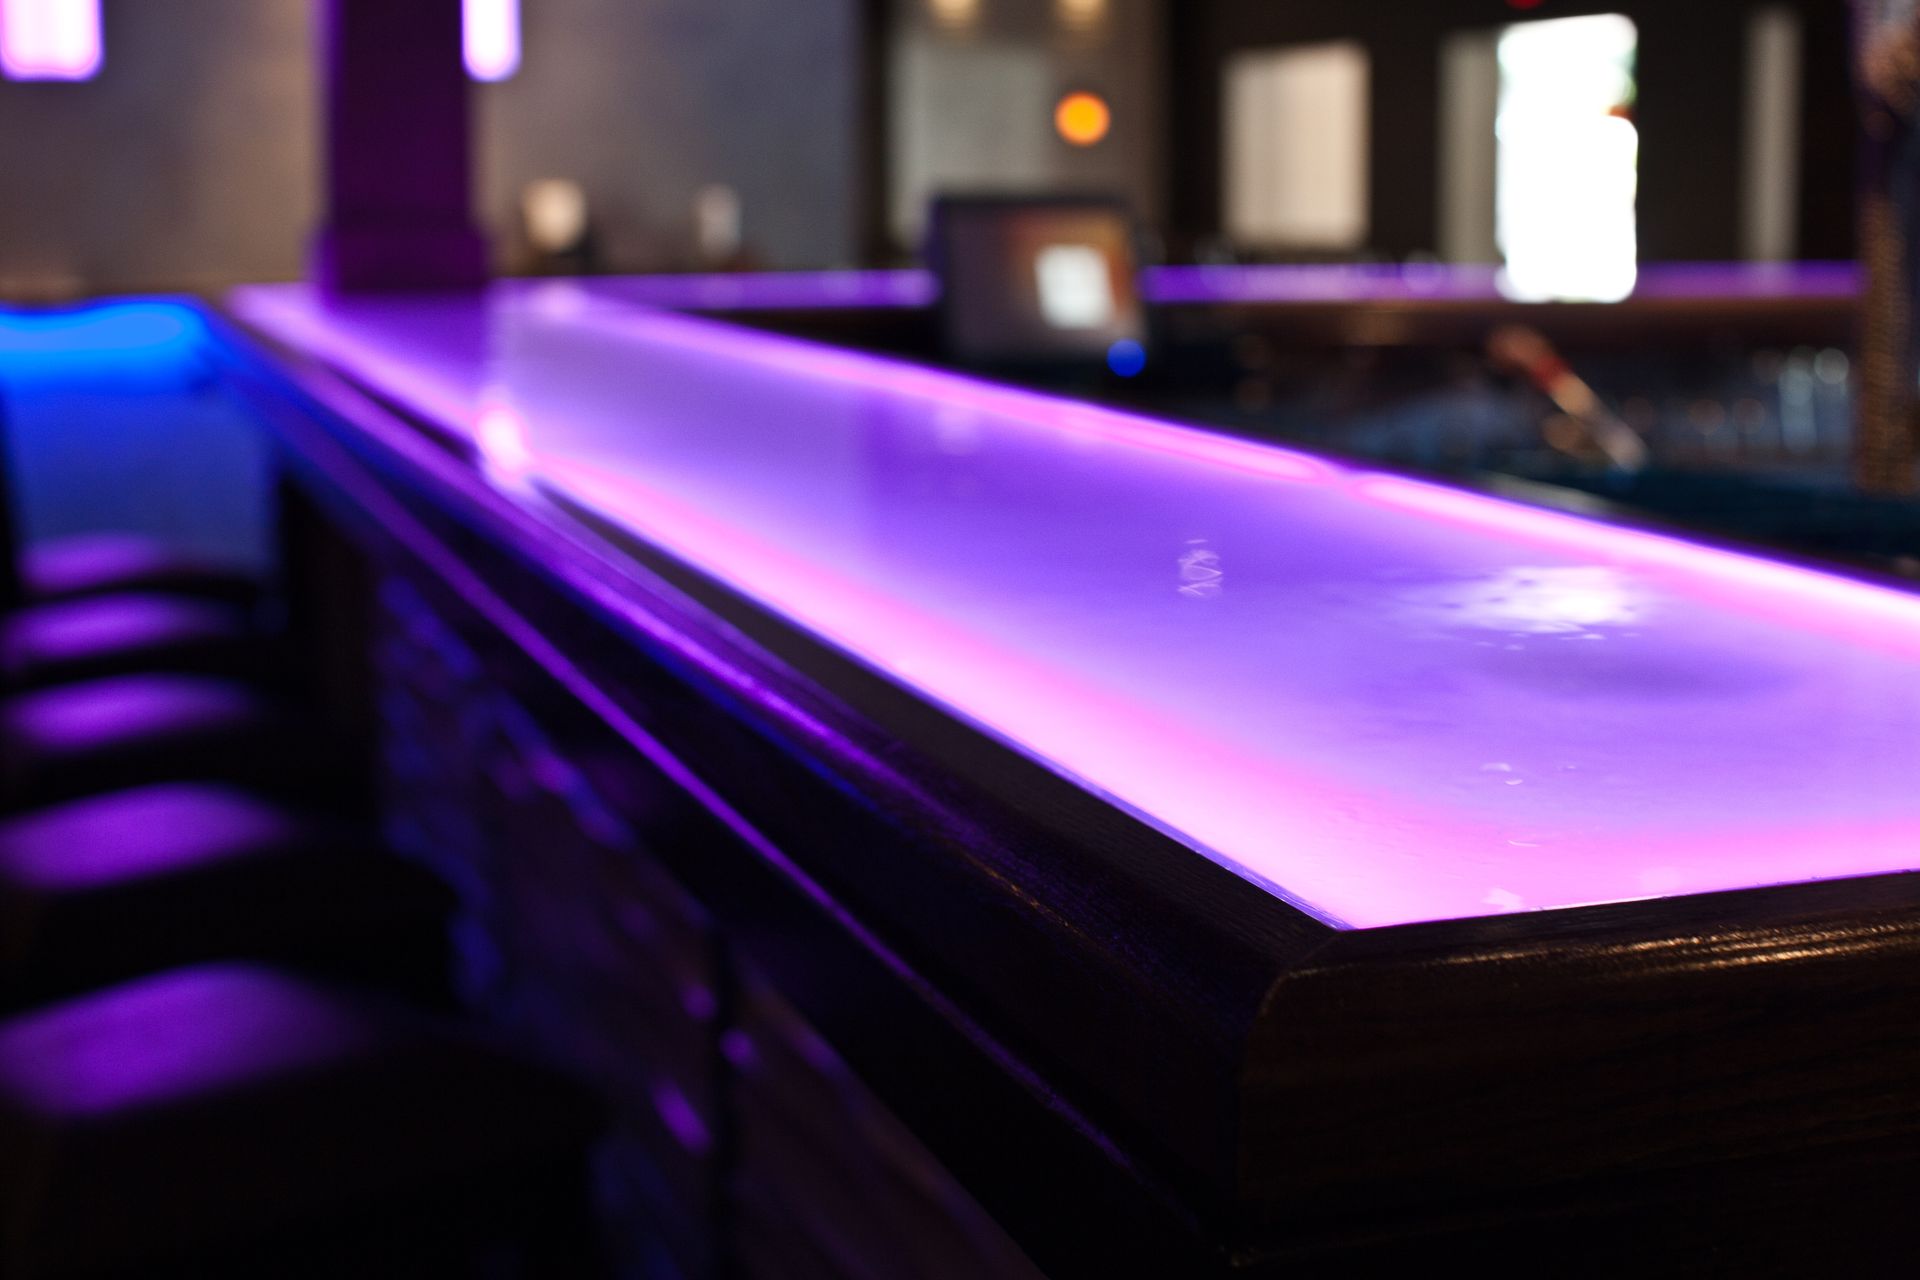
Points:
(105, 564)
(127, 634)
(132, 882)
(190, 1112)
(86, 739)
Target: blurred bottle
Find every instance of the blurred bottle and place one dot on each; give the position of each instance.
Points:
(1584, 418)
(719, 239)
(558, 227)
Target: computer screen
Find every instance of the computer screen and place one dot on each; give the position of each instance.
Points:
(1039, 282)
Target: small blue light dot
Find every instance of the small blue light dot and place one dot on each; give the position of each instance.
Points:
(1127, 358)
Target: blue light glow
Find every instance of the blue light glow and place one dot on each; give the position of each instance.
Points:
(1127, 358)
(108, 338)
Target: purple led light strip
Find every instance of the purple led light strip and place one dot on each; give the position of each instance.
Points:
(1348, 283)
(775, 291)
(1383, 699)
(1333, 283)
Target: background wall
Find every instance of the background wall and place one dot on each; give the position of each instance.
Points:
(190, 162)
(643, 102)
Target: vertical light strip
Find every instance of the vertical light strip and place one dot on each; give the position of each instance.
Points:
(1770, 201)
(1469, 146)
(492, 38)
(50, 39)
(1297, 139)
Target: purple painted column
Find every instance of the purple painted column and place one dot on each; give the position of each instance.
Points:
(398, 149)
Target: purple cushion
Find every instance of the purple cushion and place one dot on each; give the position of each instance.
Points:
(83, 739)
(224, 1102)
(100, 564)
(123, 635)
(172, 1039)
(113, 886)
(149, 831)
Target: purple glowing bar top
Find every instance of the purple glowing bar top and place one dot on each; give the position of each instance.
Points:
(1381, 699)
(1332, 283)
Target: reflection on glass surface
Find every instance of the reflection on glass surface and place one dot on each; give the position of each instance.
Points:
(1385, 700)
(501, 433)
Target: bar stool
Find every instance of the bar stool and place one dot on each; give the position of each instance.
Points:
(91, 639)
(114, 690)
(88, 566)
(233, 1120)
(111, 604)
(129, 883)
(105, 735)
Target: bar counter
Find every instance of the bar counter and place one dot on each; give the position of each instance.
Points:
(1201, 854)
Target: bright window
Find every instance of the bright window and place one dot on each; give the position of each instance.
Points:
(1569, 159)
(50, 39)
(1770, 173)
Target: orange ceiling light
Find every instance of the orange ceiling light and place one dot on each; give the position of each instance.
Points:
(1083, 119)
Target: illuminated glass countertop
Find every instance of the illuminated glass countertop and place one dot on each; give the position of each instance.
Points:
(1384, 700)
